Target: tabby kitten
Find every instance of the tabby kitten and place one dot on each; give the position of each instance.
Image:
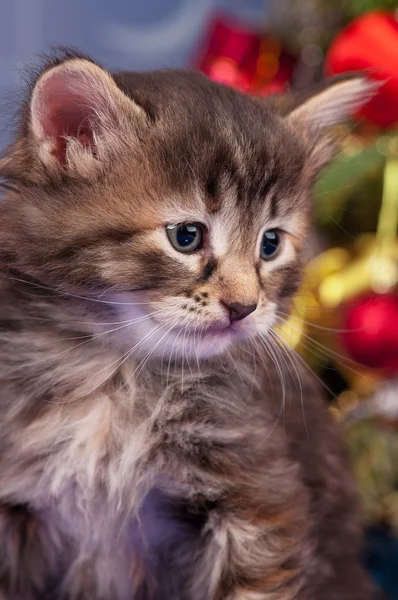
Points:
(155, 440)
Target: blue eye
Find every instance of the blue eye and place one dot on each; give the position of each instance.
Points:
(186, 237)
(270, 244)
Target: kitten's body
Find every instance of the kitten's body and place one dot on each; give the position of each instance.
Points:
(82, 466)
(129, 476)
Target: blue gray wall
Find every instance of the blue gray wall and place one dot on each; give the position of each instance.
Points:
(135, 34)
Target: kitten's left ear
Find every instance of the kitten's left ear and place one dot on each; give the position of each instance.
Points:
(315, 112)
(76, 121)
(79, 117)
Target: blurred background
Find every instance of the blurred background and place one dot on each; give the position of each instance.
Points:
(345, 318)
(128, 34)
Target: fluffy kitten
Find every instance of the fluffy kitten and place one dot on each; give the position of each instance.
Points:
(155, 442)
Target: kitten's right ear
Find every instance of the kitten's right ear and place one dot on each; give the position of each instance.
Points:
(78, 118)
(313, 113)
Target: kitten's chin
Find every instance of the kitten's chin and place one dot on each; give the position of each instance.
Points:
(185, 344)
(204, 344)
(176, 343)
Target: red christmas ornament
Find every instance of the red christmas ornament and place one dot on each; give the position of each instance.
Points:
(370, 42)
(370, 334)
(242, 58)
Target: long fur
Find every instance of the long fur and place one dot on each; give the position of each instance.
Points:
(143, 456)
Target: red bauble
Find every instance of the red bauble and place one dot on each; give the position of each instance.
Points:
(370, 332)
(370, 42)
(234, 54)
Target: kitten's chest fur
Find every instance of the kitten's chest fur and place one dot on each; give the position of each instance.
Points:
(75, 417)
(94, 446)
(109, 452)
(81, 416)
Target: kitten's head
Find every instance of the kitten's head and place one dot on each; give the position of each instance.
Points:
(181, 205)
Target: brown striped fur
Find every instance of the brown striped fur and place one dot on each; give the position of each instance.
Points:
(150, 450)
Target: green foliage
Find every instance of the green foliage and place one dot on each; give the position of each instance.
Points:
(374, 454)
(301, 22)
(354, 8)
(348, 195)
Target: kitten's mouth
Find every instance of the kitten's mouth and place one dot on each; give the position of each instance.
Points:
(201, 341)
(205, 340)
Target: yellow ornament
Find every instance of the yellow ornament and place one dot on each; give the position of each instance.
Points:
(338, 275)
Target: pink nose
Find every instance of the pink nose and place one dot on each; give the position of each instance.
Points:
(238, 311)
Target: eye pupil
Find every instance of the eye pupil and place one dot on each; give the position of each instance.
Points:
(270, 244)
(186, 237)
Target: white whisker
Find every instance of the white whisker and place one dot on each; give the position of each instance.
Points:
(78, 296)
(285, 352)
(269, 351)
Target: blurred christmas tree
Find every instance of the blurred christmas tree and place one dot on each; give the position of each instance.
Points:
(346, 318)
(299, 22)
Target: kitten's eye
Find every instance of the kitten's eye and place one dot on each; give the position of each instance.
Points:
(186, 237)
(270, 244)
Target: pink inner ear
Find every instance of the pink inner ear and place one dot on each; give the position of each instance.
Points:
(66, 112)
